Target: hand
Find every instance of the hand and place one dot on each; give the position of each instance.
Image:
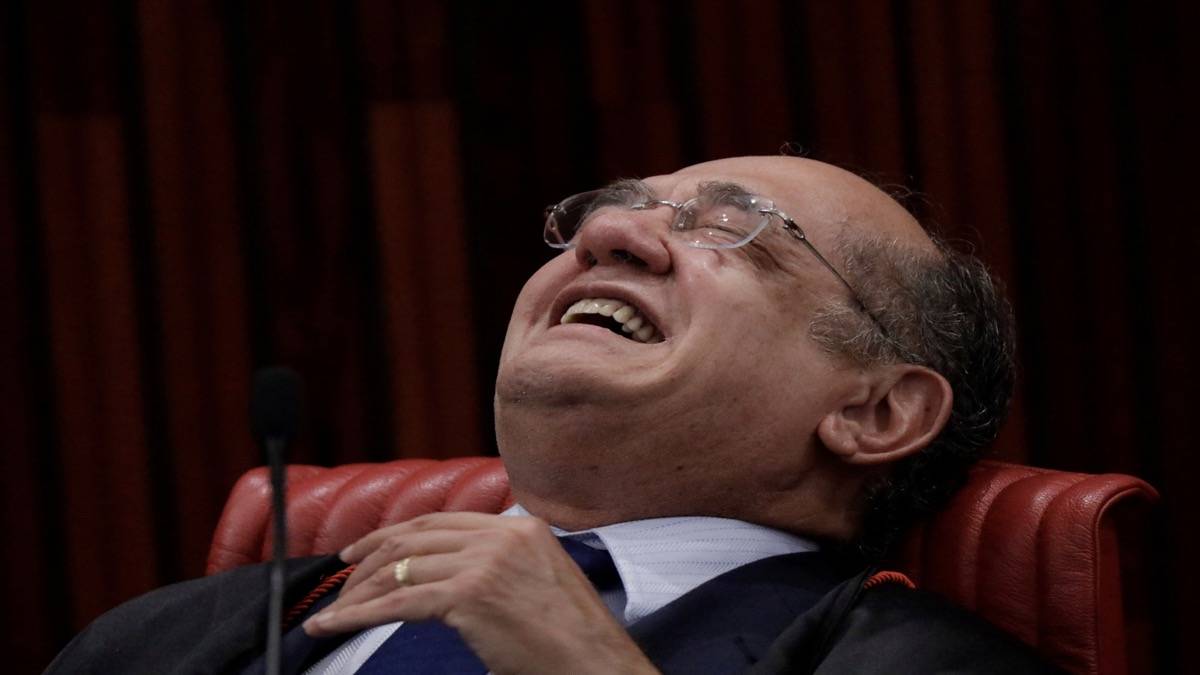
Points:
(505, 583)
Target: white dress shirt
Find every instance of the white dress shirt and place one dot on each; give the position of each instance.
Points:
(658, 560)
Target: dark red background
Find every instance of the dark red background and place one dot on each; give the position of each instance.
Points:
(190, 190)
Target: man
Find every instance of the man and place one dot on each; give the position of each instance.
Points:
(730, 373)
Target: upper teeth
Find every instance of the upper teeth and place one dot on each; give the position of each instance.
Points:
(627, 315)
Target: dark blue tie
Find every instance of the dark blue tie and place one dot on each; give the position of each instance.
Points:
(433, 648)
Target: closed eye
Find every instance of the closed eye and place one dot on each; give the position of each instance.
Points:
(760, 255)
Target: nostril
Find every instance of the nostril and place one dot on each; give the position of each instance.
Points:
(589, 259)
(621, 255)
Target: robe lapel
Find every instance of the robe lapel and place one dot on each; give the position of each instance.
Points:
(237, 629)
(729, 623)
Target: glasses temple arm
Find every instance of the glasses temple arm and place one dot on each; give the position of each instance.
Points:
(793, 229)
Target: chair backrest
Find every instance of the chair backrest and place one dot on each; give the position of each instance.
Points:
(1036, 552)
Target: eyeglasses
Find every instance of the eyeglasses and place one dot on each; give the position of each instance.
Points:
(721, 218)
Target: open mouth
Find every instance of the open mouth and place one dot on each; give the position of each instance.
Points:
(618, 316)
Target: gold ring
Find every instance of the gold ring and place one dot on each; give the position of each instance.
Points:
(400, 571)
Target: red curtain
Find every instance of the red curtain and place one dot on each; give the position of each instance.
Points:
(192, 190)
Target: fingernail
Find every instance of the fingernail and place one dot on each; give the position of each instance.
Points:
(344, 554)
(323, 618)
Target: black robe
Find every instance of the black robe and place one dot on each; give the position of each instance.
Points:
(794, 613)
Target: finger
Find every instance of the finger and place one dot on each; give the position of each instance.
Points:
(412, 603)
(458, 520)
(407, 545)
(422, 569)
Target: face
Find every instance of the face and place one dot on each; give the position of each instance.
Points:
(728, 383)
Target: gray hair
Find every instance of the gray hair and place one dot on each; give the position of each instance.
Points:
(944, 311)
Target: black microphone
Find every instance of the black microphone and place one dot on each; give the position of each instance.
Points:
(275, 410)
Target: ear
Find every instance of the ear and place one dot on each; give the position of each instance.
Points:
(901, 409)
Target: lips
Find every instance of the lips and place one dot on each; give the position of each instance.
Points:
(619, 316)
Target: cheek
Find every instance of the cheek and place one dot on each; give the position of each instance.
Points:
(761, 327)
(537, 295)
(703, 267)
(765, 358)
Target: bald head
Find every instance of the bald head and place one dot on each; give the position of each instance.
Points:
(830, 203)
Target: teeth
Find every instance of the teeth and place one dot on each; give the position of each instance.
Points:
(632, 322)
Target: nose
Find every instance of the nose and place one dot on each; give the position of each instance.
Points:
(637, 238)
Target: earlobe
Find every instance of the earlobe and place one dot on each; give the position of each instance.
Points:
(908, 407)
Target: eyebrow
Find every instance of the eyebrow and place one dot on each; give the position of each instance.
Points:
(723, 189)
(634, 185)
(707, 188)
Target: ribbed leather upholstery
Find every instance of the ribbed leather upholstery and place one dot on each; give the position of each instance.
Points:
(329, 508)
(1033, 551)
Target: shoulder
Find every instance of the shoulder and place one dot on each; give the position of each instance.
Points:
(894, 629)
(210, 617)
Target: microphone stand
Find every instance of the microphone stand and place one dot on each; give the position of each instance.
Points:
(274, 417)
(279, 552)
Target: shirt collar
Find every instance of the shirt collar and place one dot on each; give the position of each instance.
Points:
(660, 559)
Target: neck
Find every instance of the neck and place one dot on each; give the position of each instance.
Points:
(579, 476)
(819, 506)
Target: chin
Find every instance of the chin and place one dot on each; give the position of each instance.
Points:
(558, 384)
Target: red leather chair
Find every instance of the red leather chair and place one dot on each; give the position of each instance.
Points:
(1034, 551)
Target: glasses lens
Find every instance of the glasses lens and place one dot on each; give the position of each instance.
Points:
(565, 219)
(722, 220)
